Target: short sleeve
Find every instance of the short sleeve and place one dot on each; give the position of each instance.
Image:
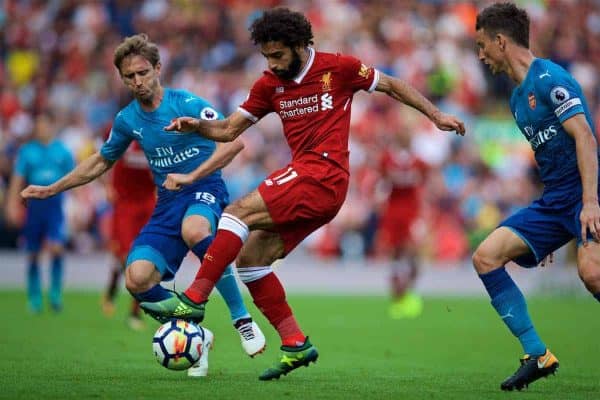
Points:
(198, 107)
(118, 140)
(358, 75)
(563, 97)
(258, 104)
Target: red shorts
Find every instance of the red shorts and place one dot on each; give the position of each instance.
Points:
(304, 196)
(396, 229)
(129, 217)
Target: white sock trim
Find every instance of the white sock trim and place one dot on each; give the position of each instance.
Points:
(235, 225)
(252, 274)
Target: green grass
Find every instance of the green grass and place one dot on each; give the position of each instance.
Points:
(458, 349)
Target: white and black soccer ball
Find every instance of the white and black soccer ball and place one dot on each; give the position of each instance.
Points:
(177, 344)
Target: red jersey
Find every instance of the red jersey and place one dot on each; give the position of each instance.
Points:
(131, 177)
(406, 173)
(315, 106)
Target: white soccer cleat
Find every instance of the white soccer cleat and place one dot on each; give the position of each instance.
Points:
(200, 368)
(252, 338)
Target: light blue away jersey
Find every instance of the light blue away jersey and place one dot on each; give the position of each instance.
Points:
(547, 97)
(43, 164)
(167, 152)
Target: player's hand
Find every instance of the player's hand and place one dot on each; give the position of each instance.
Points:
(37, 192)
(446, 122)
(590, 221)
(177, 181)
(183, 125)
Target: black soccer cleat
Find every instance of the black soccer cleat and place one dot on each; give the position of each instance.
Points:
(531, 369)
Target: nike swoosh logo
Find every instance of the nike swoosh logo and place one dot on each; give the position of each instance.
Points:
(190, 99)
(541, 362)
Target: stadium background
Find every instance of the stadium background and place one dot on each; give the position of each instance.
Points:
(58, 55)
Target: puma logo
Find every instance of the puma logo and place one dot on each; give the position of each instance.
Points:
(545, 74)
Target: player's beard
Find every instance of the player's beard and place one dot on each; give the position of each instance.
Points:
(148, 96)
(293, 69)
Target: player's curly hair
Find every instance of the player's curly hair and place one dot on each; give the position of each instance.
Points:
(505, 18)
(280, 24)
(137, 45)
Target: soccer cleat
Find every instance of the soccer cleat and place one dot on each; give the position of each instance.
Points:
(531, 369)
(178, 306)
(253, 340)
(408, 306)
(200, 368)
(290, 359)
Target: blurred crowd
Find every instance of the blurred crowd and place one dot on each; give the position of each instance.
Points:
(58, 54)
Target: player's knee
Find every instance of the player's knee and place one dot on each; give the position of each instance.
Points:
(589, 272)
(137, 280)
(267, 255)
(484, 261)
(254, 260)
(195, 229)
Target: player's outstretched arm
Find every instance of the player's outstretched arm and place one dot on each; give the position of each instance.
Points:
(587, 162)
(88, 170)
(402, 91)
(219, 130)
(221, 157)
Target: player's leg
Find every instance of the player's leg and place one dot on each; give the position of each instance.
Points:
(588, 265)
(501, 246)
(56, 250)
(199, 223)
(232, 231)
(33, 235)
(142, 280)
(254, 268)
(110, 292)
(34, 285)
(56, 236)
(119, 254)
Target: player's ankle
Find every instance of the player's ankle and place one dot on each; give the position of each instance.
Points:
(194, 296)
(295, 340)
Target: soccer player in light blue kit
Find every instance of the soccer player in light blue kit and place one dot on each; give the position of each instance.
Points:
(186, 170)
(41, 161)
(552, 113)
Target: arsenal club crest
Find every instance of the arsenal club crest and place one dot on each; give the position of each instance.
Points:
(531, 98)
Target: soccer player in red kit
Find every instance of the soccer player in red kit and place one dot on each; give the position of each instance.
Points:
(312, 94)
(404, 174)
(132, 193)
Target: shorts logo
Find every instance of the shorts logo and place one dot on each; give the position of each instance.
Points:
(532, 101)
(559, 95)
(326, 80)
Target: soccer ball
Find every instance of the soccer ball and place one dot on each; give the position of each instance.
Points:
(177, 344)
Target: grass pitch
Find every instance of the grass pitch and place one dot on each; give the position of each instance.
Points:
(458, 349)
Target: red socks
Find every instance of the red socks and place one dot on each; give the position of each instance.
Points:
(269, 297)
(222, 251)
